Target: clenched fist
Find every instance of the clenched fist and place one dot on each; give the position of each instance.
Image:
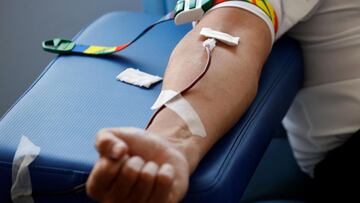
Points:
(135, 166)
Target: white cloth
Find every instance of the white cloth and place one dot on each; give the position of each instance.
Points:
(289, 12)
(253, 9)
(327, 110)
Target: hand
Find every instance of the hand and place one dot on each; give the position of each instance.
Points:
(135, 166)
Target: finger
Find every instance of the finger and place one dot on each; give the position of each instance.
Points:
(126, 179)
(110, 145)
(102, 176)
(145, 182)
(163, 184)
(137, 139)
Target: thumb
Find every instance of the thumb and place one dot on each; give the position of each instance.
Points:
(109, 145)
(139, 141)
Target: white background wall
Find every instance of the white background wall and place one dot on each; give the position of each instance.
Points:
(24, 24)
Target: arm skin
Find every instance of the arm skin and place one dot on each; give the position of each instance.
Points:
(156, 167)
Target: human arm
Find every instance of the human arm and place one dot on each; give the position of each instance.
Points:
(229, 86)
(220, 99)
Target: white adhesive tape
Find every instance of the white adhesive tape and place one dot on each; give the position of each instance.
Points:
(25, 154)
(164, 97)
(177, 103)
(223, 37)
(184, 109)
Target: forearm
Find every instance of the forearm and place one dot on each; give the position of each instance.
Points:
(228, 88)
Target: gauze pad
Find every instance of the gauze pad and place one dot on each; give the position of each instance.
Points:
(25, 154)
(223, 37)
(177, 103)
(138, 78)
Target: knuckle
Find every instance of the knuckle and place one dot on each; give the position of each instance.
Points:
(102, 166)
(102, 132)
(146, 177)
(129, 172)
(102, 139)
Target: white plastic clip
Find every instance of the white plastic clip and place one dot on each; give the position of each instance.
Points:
(210, 43)
(189, 14)
(223, 37)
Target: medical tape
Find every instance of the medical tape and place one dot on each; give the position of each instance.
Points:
(164, 97)
(221, 36)
(25, 154)
(138, 78)
(177, 103)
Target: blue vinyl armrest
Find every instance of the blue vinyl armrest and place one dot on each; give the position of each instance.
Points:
(154, 6)
(78, 95)
(160, 7)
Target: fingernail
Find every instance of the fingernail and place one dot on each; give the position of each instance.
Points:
(168, 170)
(117, 150)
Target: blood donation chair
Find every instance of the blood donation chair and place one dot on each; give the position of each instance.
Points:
(76, 96)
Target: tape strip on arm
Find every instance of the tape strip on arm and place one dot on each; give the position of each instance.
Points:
(272, 24)
(177, 103)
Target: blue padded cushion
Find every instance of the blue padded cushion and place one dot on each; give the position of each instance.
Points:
(154, 6)
(159, 7)
(278, 175)
(78, 95)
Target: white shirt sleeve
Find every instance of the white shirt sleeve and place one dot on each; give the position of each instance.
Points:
(289, 12)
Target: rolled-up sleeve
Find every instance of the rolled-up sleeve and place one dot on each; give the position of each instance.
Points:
(287, 13)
